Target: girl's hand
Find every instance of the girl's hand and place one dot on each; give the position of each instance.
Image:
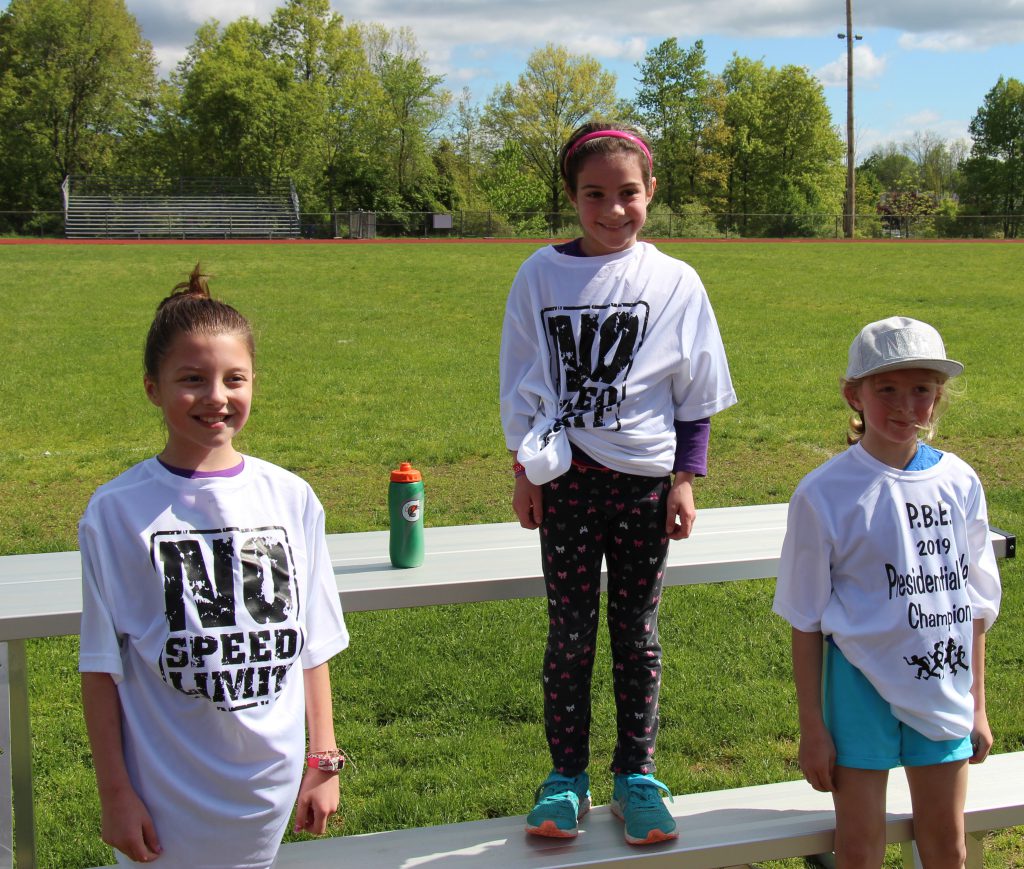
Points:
(528, 503)
(127, 826)
(681, 509)
(818, 758)
(318, 800)
(981, 737)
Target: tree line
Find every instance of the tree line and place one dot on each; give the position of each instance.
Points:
(353, 116)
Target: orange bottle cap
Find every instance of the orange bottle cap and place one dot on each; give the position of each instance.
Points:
(406, 473)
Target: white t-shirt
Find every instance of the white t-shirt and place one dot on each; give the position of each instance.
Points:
(200, 597)
(620, 345)
(895, 566)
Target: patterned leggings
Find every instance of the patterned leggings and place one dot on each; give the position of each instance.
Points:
(590, 514)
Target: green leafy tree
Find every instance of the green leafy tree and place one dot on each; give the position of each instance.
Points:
(902, 209)
(468, 145)
(554, 95)
(413, 106)
(77, 83)
(234, 103)
(681, 106)
(301, 32)
(994, 173)
(904, 183)
(345, 111)
(467, 159)
(164, 145)
(515, 193)
(331, 104)
(938, 162)
(806, 148)
(784, 152)
(510, 186)
(747, 151)
(891, 167)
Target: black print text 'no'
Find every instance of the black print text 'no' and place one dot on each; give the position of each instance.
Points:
(229, 599)
(595, 364)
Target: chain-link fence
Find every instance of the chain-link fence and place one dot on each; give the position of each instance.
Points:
(694, 224)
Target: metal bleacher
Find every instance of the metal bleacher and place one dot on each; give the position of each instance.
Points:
(100, 207)
(41, 596)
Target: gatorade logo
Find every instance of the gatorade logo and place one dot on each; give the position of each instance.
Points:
(412, 510)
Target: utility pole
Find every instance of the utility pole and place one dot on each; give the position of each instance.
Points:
(850, 216)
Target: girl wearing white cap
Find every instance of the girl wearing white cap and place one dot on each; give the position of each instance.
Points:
(889, 582)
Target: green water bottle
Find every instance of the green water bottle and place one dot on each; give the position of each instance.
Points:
(405, 504)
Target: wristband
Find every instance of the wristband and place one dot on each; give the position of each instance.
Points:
(326, 761)
(518, 469)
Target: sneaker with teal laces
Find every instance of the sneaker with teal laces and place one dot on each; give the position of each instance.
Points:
(636, 799)
(561, 802)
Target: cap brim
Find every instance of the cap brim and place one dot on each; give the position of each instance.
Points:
(949, 367)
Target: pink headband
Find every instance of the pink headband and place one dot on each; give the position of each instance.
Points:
(610, 134)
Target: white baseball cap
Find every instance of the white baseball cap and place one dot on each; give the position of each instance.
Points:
(898, 342)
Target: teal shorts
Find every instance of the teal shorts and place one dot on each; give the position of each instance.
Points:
(865, 732)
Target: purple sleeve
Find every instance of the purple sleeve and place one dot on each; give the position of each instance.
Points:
(692, 438)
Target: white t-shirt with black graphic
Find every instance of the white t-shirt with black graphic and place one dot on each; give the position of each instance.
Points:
(895, 566)
(205, 599)
(619, 346)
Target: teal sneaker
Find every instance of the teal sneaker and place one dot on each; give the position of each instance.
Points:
(561, 802)
(636, 799)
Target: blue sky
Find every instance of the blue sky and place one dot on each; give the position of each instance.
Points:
(923, 66)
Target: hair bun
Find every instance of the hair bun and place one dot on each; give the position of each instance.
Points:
(196, 285)
(191, 309)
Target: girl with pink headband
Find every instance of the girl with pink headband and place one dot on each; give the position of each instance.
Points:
(610, 134)
(611, 366)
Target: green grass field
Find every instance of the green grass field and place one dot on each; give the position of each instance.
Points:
(371, 354)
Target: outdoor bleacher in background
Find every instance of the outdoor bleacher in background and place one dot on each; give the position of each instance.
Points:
(98, 207)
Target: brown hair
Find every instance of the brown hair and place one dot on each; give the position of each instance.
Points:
(571, 160)
(191, 310)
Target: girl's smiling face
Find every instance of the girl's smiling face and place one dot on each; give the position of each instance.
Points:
(611, 200)
(204, 388)
(895, 405)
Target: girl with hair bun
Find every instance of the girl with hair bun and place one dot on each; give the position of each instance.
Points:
(209, 613)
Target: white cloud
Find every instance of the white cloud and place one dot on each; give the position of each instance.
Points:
(533, 22)
(924, 119)
(465, 74)
(980, 38)
(478, 43)
(867, 66)
(615, 33)
(865, 141)
(933, 121)
(909, 126)
(167, 58)
(939, 42)
(605, 47)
